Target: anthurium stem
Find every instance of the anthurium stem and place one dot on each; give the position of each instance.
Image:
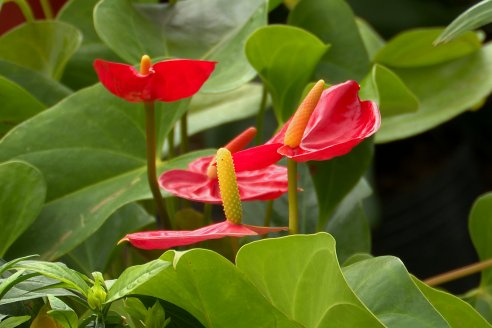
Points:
(459, 273)
(161, 218)
(25, 9)
(292, 195)
(183, 129)
(260, 118)
(45, 5)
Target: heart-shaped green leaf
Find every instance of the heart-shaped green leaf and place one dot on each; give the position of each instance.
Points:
(310, 282)
(475, 17)
(388, 90)
(22, 194)
(17, 105)
(285, 58)
(334, 23)
(456, 312)
(44, 46)
(211, 289)
(415, 49)
(385, 287)
(309, 290)
(444, 91)
(210, 30)
(91, 150)
(43, 88)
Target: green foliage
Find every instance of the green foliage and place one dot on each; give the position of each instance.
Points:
(415, 49)
(12, 322)
(62, 313)
(444, 91)
(380, 284)
(18, 105)
(42, 46)
(21, 200)
(334, 23)
(285, 58)
(390, 93)
(210, 30)
(475, 17)
(93, 163)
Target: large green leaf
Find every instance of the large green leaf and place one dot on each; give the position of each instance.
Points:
(91, 150)
(43, 88)
(79, 71)
(22, 193)
(392, 95)
(210, 30)
(44, 46)
(285, 58)
(94, 253)
(308, 290)
(17, 105)
(211, 289)
(414, 48)
(480, 226)
(335, 178)
(334, 23)
(444, 91)
(385, 287)
(475, 17)
(456, 312)
(211, 110)
(309, 282)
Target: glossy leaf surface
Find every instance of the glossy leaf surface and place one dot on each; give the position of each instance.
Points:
(91, 150)
(22, 194)
(334, 23)
(444, 91)
(17, 105)
(285, 58)
(44, 46)
(225, 291)
(473, 18)
(415, 49)
(392, 95)
(381, 282)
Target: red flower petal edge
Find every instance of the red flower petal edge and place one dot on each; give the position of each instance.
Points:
(339, 122)
(169, 239)
(194, 183)
(167, 81)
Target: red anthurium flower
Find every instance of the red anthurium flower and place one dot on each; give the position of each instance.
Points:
(199, 182)
(338, 122)
(168, 80)
(169, 239)
(232, 227)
